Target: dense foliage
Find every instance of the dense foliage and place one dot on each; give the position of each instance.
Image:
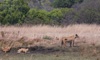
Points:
(66, 12)
(13, 11)
(41, 16)
(65, 3)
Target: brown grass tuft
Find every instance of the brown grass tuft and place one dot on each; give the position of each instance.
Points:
(98, 59)
(57, 55)
(2, 34)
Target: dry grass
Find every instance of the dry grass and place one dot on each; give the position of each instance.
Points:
(49, 36)
(35, 34)
(88, 34)
(91, 33)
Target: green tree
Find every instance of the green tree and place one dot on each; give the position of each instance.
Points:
(88, 16)
(56, 15)
(89, 12)
(65, 3)
(13, 11)
(38, 17)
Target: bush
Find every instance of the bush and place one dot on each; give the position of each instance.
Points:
(13, 11)
(56, 15)
(65, 3)
(39, 16)
(88, 13)
(47, 37)
(18, 12)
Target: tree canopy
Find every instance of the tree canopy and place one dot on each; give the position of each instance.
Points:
(13, 11)
(65, 3)
(63, 12)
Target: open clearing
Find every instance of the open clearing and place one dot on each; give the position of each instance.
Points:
(46, 43)
(51, 56)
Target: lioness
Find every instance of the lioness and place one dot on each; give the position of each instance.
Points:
(69, 39)
(6, 49)
(22, 50)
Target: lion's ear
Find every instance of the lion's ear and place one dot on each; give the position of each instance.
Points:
(76, 35)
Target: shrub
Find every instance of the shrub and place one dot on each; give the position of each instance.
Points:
(47, 37)
(65, 3)
(88, 13)
(13, 11)
(39, 17)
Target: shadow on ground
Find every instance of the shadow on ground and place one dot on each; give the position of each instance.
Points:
(41, 49)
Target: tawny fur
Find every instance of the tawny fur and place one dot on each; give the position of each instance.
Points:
(69, 39)
(6, 49)
(22, 50)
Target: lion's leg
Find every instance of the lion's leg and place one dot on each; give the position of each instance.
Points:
(72, 43)
(64, 43)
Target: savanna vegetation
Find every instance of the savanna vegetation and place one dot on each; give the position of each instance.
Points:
(43, 24)
(49, 12)
(44, 42)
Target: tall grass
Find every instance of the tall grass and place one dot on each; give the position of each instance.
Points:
(89, 35)
(88, 32)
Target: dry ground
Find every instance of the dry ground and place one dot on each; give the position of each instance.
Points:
(46, 40)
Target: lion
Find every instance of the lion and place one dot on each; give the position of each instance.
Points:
(69, 39)
(6, 49)
(22, 50)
